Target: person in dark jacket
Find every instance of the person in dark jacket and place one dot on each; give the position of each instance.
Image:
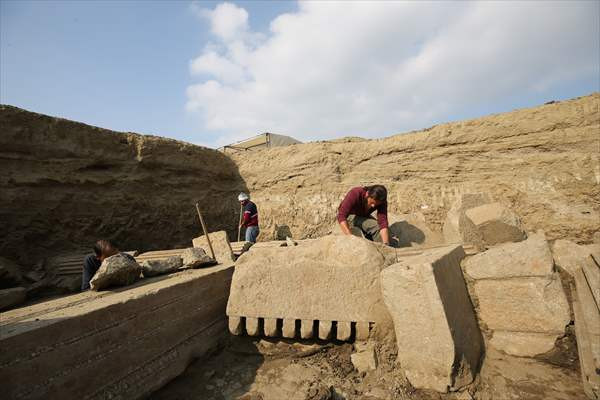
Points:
(249, 217)
(102, 249)
(356, 209)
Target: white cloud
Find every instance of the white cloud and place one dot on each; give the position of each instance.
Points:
(372, 69)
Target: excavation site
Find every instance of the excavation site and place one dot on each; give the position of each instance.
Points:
(482, 282)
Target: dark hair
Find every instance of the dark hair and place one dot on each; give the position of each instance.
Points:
(104, 246)
(377, 192)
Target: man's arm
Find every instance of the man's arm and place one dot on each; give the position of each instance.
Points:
(345, 228)
(383, 223)
(385, 235)
(344, 210)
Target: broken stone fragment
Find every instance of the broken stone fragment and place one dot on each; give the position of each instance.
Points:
(495, 224)
(569, 256)
(195, 257)
(12, 297)
(439, 342)
(457, 228)
(220, 245)
(364, 359)
(523, 344)
(531, 257)
(160, 267)
(117, 270)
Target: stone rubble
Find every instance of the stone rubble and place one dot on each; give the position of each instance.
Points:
(117, 270)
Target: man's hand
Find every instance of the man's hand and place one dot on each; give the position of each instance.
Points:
(345, 228)
(385, 236)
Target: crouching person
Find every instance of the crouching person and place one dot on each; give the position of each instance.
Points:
(102, 249)
(356, 208)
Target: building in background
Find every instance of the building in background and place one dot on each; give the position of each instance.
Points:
(264, 140)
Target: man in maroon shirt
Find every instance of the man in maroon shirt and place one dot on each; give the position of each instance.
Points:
(356, 208)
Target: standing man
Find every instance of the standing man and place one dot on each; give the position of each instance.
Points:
(250, 217)
(356, 208)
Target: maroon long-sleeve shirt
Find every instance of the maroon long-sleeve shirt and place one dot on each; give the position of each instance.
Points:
(355, 203)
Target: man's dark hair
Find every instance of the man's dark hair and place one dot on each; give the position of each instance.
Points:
(102, 246)
(377, 192)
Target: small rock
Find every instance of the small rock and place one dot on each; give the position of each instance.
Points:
(160, 267)
(118, 270)
(365, 360)
(195, 257)
(12, 297)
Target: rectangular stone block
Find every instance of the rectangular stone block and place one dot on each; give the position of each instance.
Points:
(531, 257)
(523, 304)
(220, 244)
(588, 361)
(439, 342)
(496, 223)
(333, 278)
(117, 344)
(591, 269)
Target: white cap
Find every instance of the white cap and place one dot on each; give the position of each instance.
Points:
(243, 196)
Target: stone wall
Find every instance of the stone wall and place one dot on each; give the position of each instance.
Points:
(121, 344)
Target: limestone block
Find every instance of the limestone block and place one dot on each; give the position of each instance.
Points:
(569, 256)
(12, 297)
(160, 267)
(220, 244)
(536, 304)
(588, 361)
(365, 359)
(270, 327)
(195, 257)
(496, 224)
(457, 228)
(439, 342)
(589, 313)
(523, 344)
(591, 270)
(333, 278)
(118, 270)
(530, 257)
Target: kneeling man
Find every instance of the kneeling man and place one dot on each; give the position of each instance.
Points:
(356, 208)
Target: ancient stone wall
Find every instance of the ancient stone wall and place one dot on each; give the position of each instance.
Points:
(64, 184)
(543, 163)
(120, 344)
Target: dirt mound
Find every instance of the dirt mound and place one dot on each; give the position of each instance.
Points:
(64, 184)
(542, 162)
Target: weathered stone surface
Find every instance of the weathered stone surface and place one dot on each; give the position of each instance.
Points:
(530, 257)
(117, 270)
(496, 224)
(195, 257)
(220, 244)
(457, 227)
(589, 311)
(270, 327)
(333, 278)
(589, 359)
(439, 342)
(523, 344)
(160, 267)
(569, 255)
(12, 297)
(325, 330)
(365, 359)
(344, 330)
(77, 344)
(523, 304)
(10, 274)
(591, 270)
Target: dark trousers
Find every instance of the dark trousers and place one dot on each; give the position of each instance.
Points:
(90, 266)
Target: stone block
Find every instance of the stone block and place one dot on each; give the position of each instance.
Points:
(195, 257)
(333, 278)
(118, 270)
(12, 297)
(591, 270)
(536, 304)
(588, 361)
(220, 244)
(364, 360)
(589, 312)
(161, 267)
(457, 228)
(531, 257)
(496, 224)
(439, 342)
(569, 256)
(523, 344)
(113, 345)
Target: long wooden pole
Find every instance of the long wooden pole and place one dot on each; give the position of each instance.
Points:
(212, 252)
(240, 224)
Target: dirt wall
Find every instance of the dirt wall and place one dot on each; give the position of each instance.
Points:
(64, 184)
(543, 162)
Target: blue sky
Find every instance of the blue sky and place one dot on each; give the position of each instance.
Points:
(213, 72)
